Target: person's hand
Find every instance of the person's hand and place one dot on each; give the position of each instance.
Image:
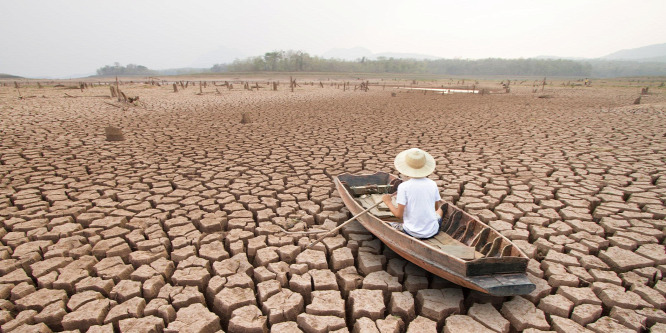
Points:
(386, 198)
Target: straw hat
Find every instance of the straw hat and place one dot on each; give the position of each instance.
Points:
(415, 163)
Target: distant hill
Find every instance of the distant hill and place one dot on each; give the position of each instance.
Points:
(356, 53)
(7, 76)
(650, 53)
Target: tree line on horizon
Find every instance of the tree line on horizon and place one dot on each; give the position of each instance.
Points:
(130, 69)
(299, 61)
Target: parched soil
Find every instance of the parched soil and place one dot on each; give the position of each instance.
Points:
(173, 225)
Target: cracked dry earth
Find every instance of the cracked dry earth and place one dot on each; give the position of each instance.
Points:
(176, 227)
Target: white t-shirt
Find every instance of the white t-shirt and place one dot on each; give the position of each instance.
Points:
(419, 196)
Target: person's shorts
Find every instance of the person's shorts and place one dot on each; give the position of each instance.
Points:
(398, 226)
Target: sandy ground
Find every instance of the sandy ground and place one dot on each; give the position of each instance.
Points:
(174, 228)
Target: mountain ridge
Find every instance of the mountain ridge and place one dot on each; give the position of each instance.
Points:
(649, 53)
(9, 76)
(654, 52)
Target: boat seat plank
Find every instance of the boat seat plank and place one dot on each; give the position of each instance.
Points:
(367, 201)
(378, 198)
(460, 251)
(384, 215)
(446, 239)
(450, 245)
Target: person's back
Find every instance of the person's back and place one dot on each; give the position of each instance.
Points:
(419, 196)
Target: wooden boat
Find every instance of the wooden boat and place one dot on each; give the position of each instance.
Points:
(466, 251)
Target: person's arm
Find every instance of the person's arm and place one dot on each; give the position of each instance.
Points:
(397, 211)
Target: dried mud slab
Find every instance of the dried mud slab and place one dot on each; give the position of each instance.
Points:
(172, 220)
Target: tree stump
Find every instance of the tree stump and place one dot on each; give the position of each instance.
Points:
(114, 134)
(245, 118)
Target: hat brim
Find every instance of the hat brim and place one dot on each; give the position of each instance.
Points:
(402, 167)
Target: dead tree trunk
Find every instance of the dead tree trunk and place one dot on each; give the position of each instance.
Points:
(117, 89)
(245, 118)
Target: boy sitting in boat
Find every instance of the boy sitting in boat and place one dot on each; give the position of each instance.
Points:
(417, 197)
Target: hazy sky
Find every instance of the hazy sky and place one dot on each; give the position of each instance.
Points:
(69, 38)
